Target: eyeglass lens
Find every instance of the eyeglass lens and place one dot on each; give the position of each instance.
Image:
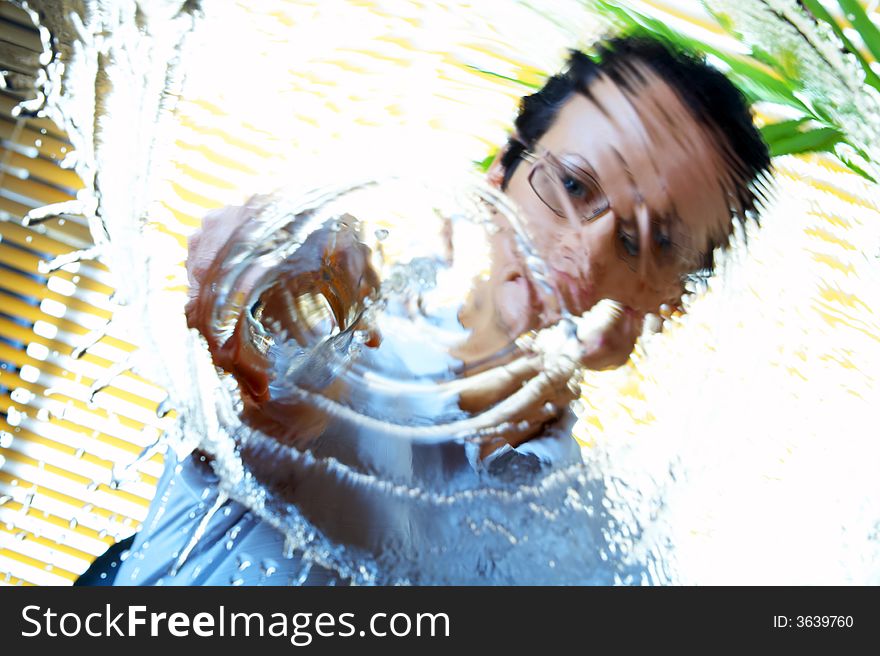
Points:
(584, 193)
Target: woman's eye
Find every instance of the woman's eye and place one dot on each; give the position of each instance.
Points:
(662, 240)
(574, 187)
(630, 243)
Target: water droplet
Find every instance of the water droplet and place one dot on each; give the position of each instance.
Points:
(244, 561)
(5, 439)
(381, 234)
(236, 580)
(269, 566)
(164, 407)
(26, 506)
(72, 523)
(13, 416)
(303, 575)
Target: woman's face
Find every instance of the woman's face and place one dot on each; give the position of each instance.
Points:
(666, 183)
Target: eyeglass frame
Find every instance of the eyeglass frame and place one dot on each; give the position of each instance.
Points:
(535, 159)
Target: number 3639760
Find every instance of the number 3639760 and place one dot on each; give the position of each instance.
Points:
(814, 621)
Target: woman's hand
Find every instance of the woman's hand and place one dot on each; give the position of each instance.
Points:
(331, 262)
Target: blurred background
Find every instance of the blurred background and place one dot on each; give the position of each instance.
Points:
(740, 439)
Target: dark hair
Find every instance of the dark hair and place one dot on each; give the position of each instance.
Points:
(706, 92)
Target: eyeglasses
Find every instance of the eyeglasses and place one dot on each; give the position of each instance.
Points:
(549, 176)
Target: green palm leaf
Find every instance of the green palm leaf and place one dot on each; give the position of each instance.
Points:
(819, 13)
(863, 25)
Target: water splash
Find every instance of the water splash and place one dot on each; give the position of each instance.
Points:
(197, 534)
(365, 355)
(129, 471)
